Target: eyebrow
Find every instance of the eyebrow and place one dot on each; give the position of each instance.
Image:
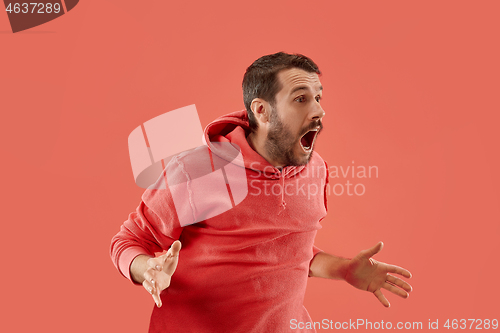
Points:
(303, 88)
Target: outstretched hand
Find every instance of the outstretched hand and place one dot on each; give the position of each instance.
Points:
(160, 270)
(366, 273)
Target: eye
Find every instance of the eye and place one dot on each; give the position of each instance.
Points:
(318, 98)
(300, 99)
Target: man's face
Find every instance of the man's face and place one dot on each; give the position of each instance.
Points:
(295, 121)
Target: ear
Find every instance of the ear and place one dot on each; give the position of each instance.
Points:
(260, 109)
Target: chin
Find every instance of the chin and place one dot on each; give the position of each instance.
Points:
(302, 158)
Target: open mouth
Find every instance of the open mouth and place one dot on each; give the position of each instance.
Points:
(307, 140)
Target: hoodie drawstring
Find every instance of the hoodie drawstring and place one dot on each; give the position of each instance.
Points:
(282, 183)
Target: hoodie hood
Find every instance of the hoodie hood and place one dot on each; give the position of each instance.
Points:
(234, 128)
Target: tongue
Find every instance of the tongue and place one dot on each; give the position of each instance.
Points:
(304, 142)
(307, 139)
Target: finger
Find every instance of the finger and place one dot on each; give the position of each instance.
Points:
(150, 277)
(147, 285)
(395, 290)
(172, 258)
(157, 298)
(398, 282)
(175, 248)
(170, 265)
(149, 282)
(399, 270)
(155, 292)
(381, 298)
(373, 250)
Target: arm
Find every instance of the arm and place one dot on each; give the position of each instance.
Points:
(144, 233)
(152, 228)
(363, 272)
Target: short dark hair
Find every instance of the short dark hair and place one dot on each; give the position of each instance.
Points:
(261, 78)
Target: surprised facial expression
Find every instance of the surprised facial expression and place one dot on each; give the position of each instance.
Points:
(295, 121)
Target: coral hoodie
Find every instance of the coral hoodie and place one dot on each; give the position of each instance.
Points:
(245, 269)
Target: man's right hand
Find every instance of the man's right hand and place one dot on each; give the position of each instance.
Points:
(160, 270)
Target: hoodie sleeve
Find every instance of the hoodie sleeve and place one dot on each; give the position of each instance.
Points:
(152, 228)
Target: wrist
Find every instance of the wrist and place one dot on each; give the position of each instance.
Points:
(138, 267)
(340, 269)
(329, 266)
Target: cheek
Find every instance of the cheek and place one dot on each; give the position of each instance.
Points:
(297, 121)
(293, 120)
(298, 128)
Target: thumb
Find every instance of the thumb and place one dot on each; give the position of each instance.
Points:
(176, 247)
(373, 250)
(172, 258)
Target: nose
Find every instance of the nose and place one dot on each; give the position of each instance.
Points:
(317, 113)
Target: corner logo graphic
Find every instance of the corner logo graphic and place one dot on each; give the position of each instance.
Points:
(205, 180)
(25, 15)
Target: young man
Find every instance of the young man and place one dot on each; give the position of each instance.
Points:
(246, 270)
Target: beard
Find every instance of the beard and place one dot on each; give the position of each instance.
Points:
(281, 143)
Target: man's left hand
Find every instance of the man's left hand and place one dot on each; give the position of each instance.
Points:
(368, 274)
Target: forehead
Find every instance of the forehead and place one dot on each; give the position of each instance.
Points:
(294, 78)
